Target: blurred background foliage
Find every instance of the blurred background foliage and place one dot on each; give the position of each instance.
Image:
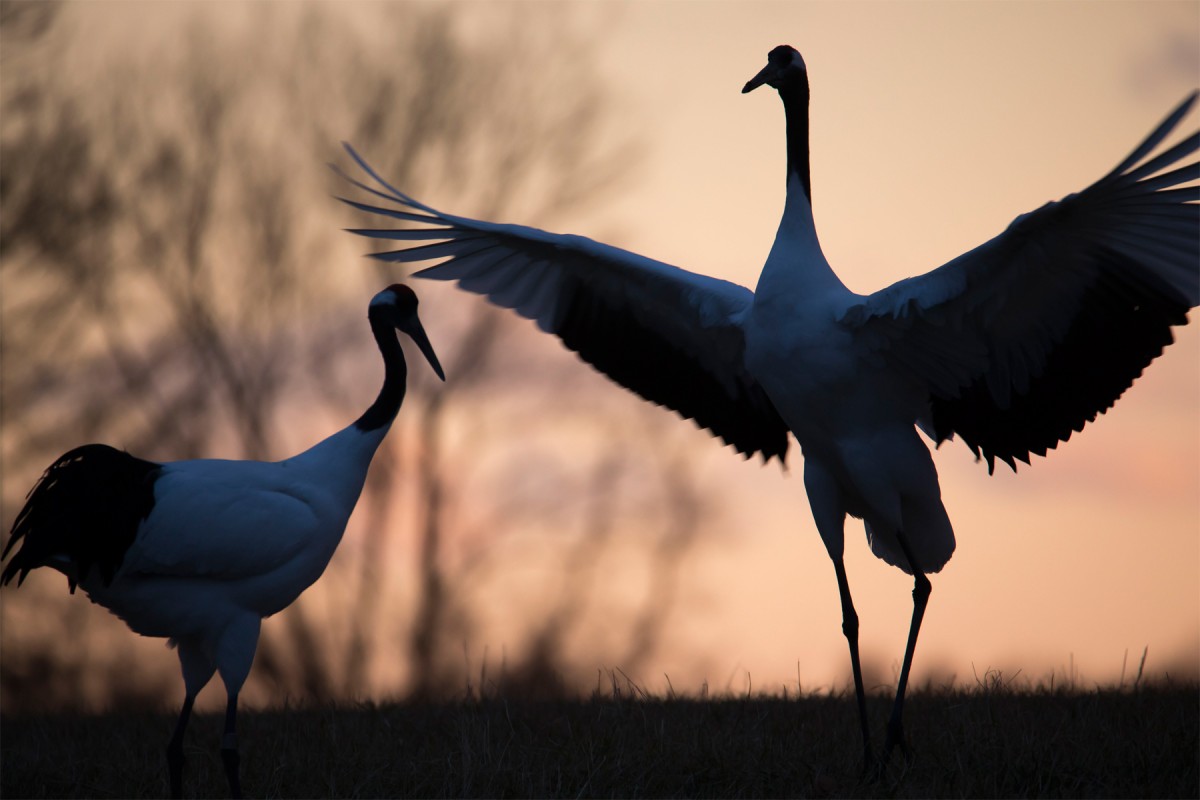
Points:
(176, 283)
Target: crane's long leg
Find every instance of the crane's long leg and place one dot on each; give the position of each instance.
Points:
(921, 590)
(829, 512)
(850, 629)
(175, 747)
(229, 751)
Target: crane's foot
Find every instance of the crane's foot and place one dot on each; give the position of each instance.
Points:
(895, 738)
(868, 763)
(175, 768)
(232, 762)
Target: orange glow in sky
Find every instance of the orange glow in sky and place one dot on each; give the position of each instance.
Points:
(934, 124)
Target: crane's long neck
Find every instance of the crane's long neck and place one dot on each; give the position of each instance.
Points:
(796, 270)
(391, 396)
(339, 463)
(794, 93)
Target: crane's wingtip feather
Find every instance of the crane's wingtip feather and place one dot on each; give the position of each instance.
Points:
(424, 273)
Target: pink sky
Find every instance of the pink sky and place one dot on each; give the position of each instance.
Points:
(934, 125)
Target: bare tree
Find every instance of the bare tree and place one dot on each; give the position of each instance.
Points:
(166, 242)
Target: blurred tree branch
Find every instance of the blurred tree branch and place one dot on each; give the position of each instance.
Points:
(173, 283)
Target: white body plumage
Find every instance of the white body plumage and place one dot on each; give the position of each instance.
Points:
(228, 538)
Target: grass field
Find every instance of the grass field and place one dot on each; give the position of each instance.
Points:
(985, 742)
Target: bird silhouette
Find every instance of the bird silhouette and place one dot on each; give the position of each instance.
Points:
(200, 551)
(1012, 346)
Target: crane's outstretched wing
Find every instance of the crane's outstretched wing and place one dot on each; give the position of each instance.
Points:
(1029, 336)
(672, 336)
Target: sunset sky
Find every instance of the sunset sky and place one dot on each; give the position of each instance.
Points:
(934, 124)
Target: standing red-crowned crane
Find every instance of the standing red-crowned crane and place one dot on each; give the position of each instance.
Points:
(201, 551)
(1011, 346)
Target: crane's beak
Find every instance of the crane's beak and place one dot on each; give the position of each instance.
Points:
(414, 329)
(764, 76)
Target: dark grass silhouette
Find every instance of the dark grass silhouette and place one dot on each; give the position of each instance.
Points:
(989, 741)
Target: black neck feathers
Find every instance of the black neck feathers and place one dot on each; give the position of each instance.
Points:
(391, 396)
(794, 92)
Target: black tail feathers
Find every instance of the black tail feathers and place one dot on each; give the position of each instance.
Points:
(84, 510)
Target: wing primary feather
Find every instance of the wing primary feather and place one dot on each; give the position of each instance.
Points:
(1184, 148)
(394, 213)
(396, 193)
(467, 266)
(460, 268)
(1151, 141)
(439, 250)
(414, 234)
(1188, 172)
(372, 190)
(1182, 197)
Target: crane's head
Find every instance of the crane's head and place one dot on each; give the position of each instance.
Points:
(398, 306)
(783, 64)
